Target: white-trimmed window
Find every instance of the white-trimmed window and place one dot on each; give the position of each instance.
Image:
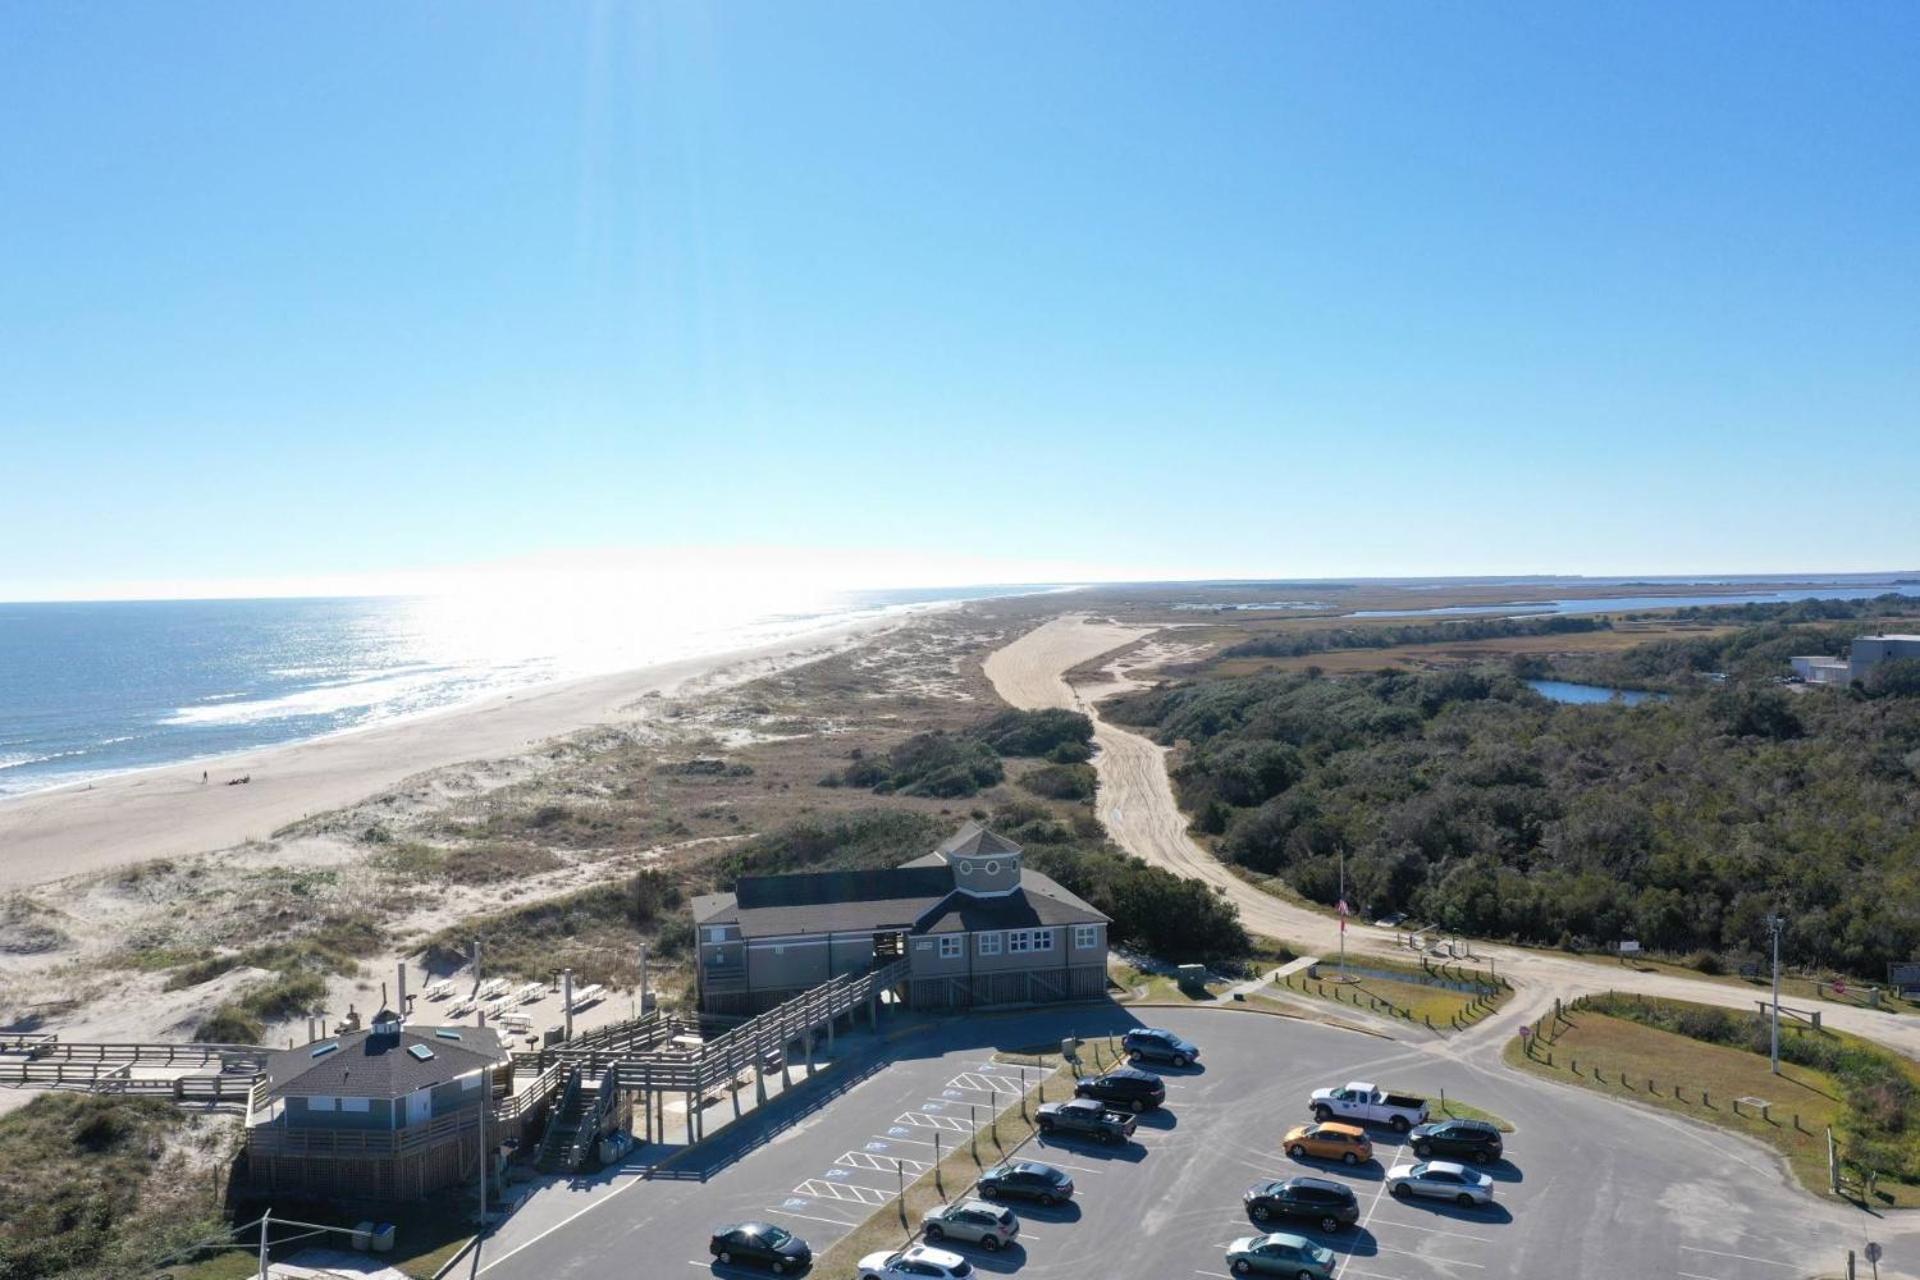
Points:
(356, 1104)
(1043, 939)
(1019, 941)
(1086, 935)
(717, 933)
(993, 868)
(952, 946)
(322, 1102)
(990, 944)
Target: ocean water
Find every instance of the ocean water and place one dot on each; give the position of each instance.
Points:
(88, 689)
(1637, 604)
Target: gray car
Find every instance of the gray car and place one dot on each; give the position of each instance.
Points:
(988, 1225)
(1441, 1180)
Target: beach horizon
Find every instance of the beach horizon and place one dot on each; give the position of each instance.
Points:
(179, 809)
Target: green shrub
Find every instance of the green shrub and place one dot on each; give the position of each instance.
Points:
(1061, 781)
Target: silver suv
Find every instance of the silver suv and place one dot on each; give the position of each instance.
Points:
(987, 1225)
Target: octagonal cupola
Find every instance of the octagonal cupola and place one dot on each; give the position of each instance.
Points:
(984, 864)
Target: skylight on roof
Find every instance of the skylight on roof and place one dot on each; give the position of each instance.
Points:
(421, 1052)
(447, 1033)
(322, 1050)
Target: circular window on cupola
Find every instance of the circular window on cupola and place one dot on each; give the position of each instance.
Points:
(964, 867)
(993, 868)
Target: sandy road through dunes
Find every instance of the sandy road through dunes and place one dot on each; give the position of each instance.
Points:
(1136, 803)
(1136, 797)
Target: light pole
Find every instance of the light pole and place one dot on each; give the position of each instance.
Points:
(1776, 922)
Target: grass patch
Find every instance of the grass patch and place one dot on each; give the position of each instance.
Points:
(94, 1185)
(1865, 1094)
(1797, 987)
(897, 1224)
(1142, 985)
(595, 932)
(1402, 993)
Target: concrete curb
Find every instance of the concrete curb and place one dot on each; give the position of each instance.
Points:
(1267, 1013)
(447, 1267)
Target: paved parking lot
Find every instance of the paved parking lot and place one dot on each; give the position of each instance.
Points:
(1591, 1188)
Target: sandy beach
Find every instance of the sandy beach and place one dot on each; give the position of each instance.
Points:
(170, 812)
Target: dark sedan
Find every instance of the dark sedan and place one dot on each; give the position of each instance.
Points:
(1028, 1180)
(761, 1244)
(1327, 1204)
(1474, 1140)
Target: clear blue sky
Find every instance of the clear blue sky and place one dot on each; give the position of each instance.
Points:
(296, 292)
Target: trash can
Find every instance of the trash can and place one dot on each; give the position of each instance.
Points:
(1313, 971)
(383, 1238)
(363, 1236)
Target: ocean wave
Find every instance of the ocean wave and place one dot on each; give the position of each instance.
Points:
(20, 762)
(338, 700)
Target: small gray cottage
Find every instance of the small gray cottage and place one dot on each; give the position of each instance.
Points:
(977, 927)
(389, 1112)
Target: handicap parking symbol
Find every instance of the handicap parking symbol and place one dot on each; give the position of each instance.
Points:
(935, 1106)
(836, 1173)
(897, 1131)
(877, 1146)
(949, 1093)
(794, 1202)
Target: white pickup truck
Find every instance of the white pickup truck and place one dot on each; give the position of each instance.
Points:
(1368, 1104)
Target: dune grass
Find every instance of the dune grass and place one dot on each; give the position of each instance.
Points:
(1406, 998)
(1706, 1081)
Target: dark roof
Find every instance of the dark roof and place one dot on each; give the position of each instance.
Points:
(919, 896)
(974, 840)
(822, 887)
(1038, 901)
(366, 1065)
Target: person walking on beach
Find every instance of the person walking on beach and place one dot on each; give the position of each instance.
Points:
(203, 777)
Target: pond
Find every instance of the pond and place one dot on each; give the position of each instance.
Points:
(1566, 691)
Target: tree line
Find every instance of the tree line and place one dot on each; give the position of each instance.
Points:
(1466, 799)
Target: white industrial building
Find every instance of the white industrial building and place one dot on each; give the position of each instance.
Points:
(1868, 653)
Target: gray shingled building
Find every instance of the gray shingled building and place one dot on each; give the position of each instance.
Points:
(391, 1112)
(977, 927)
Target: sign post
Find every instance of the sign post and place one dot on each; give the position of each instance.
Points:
(1873, 1258)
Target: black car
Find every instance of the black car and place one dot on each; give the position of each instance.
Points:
(1128, 1088)
(1028, 1180)
(761, 1244)
(1151, 1042)
(1329, 1205)
(1474, 1140)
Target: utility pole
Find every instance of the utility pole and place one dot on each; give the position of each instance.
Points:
(1776, 922)
(486, 1088)
(1343, 915)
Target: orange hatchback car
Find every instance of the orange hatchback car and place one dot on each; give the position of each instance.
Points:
(1343, 1142)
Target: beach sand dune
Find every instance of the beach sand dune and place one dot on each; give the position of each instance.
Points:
(169, 812)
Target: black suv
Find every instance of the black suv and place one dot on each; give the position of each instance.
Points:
(1128, 1088)
(1328, 1205)
(1474, 1140)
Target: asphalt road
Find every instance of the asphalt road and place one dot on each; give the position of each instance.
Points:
(1592, 1188)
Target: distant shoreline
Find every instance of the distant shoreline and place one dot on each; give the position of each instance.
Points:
(128, 817)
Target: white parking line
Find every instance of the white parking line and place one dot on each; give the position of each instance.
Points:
(921, 1120)
(884, 1164)
(1444, 1262)
(893, 1137)
(821, 1189)
(1722, 1253)
(1438, 1232)
(788, 1213)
